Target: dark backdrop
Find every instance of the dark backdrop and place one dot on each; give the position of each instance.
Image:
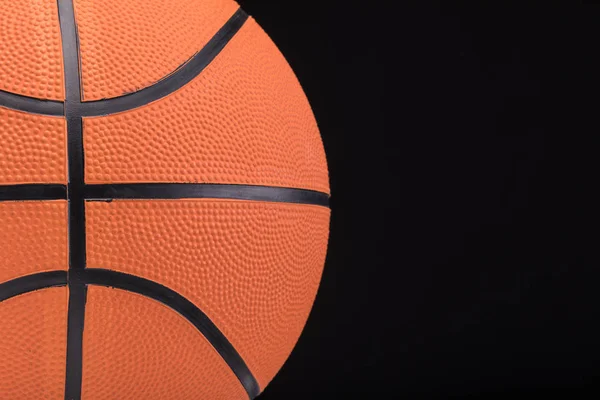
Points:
(462, 148)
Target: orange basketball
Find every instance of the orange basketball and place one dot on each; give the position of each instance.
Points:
(164, 201)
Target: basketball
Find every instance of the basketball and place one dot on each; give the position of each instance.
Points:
(164, 201)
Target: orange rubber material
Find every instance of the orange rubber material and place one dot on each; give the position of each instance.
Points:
(137, 348)
(128, 45)
(33, 238)
(252, 267)
(31, 62)
(33, 148)
(244, 120)
(33, 329)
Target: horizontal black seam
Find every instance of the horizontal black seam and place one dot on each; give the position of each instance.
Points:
(205, 190)
(173, 82)
(31, 104)
(165, 191)
(181, 305)
(33, 192)
(31, 283)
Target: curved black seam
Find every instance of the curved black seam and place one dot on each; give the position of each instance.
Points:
(31, 104)
(181, 305)
(205, 190)
(176, 80)
(31, 283)
(33, 192)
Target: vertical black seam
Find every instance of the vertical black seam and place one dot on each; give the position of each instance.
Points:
(74, 364)
(75, 191)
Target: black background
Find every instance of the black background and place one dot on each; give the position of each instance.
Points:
(461, 140)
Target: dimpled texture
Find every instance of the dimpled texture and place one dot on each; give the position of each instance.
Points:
(33, 148)
(30, 45)
(252, 267)
(137, 348)
(128, 45)
(33, 329)
(33, 238)
(244, 120)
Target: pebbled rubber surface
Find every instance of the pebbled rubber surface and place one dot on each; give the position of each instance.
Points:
(249, 254)
(31, 61)
(244, 120)
(129, 45)
(33, 238)
(33, 345)
(252, 267)
(137, 348)
(33, 148)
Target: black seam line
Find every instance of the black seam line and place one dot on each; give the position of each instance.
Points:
(31, 104)
(31, 283)
(181, 305)
(33, 192)
(160, 191)
(204, 190)
(75, 324)
(74, 134)
(74, 131)
(77, 250)
(176, 80)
